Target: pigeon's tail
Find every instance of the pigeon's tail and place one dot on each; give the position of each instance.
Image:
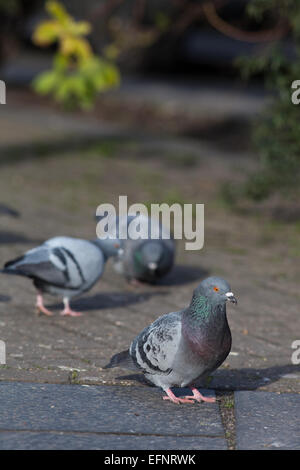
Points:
(13, 267)
(121, 359)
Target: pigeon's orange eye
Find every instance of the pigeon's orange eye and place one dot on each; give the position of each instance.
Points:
(216, 289)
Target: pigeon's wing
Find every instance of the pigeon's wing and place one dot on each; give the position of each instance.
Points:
(154, 349)
(64, 262)
(83, 260)
(44, 263)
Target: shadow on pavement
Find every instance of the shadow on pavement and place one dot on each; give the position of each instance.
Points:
(6, 210)
(235, 379)
(4, 298)
(250, 378)
(183, 274)
(12, 237)
(108, 300)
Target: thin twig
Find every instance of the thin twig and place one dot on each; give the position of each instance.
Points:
(273, 34)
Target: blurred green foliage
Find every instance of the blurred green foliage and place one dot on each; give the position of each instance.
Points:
(276, 133)
(77, 75)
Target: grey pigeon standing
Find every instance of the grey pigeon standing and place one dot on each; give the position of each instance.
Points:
(144, 259)
(180, 347)
(62, 266)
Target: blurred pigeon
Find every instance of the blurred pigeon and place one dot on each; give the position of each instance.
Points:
(62, 266)
(180, 347)
(144, 259)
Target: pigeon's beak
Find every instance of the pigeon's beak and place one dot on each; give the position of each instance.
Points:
(230, 297)
(120, 252)
(152, 266)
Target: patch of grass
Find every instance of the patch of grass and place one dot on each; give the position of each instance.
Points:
(228, 403)
(87, 361)
(106, 149)
(226, 407)
(74, 376)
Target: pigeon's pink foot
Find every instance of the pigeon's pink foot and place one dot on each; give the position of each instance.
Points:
(68, 311)
(170, 396)
(135, 283)
(40, 306)
(199, 397)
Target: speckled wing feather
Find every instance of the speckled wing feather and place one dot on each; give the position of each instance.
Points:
(154, 349)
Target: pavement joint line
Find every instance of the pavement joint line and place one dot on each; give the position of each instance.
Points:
(114, 433)
(230, 433)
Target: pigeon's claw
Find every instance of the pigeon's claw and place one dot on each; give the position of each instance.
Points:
(178, 400)
(199, 397)
(68, 311)
(71, 313)
(170, 396)
(135, 283)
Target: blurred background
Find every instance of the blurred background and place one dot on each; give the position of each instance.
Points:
(195, 80)
(219, 71)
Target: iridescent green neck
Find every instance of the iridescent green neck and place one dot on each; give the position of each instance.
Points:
(200, 308)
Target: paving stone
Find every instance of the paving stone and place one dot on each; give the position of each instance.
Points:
(116, 410)
(91, 441)
(267, 420)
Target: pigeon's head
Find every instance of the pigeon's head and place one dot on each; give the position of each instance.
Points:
(109, 246)
(149, 256)
(216, 289)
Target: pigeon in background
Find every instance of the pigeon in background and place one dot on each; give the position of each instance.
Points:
(62, 266)
(144, 259)
(180, 347)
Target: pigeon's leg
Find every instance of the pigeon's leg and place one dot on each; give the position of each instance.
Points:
(135, 283)
(40, 305)
(170, 396)
(199, 397)
(68, 311)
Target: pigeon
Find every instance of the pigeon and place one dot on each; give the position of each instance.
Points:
(181, 347)
(63, 266)
(143, 259)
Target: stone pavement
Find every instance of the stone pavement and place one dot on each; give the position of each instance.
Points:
(51, 416)
(55, 170)
(103, 417)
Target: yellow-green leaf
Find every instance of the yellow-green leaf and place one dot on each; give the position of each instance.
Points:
(57, 10)
(45, 82)
(80, 28)
(46, 33)
(75, 46)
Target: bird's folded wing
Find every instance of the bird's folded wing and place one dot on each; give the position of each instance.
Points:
(43, 263)
(154, 349)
